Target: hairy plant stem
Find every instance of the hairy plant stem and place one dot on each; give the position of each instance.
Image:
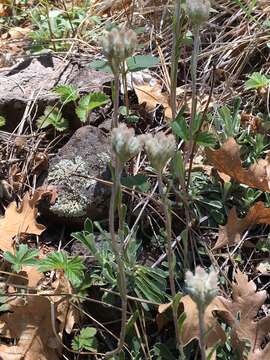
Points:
(201, 312)
(116, 100)
(177, 25)
(125, 85)
(115, 198)
(194, 62)
(169, 251)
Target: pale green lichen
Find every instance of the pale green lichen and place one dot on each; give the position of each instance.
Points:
(76, 187)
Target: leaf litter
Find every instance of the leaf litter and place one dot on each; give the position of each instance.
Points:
(230, 234)
(227, 160)
(30, 321)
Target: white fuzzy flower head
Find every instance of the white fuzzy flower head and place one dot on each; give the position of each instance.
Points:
(198, 11)
(118, 45)
(159, 148)
(202, 286)
(124, 143)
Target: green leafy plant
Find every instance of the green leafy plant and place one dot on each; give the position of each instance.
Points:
(85, 340)
(52, 117)
(257, 81)
(23, 256)
(143, 281)
(181, 130)
(2, 121)
(51, 24)
(67, 93)
(72, 266)
(90, 102)
(134, 63)
(227, 120)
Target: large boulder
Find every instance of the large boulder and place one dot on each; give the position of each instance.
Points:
(75, 172)
(29, 84)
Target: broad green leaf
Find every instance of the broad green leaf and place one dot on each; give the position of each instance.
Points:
(141, 62)
(67, 93)
(206, 139)
(2, 121)
(178, 167)
(88, 226)
(257, 81)
(85, 340)
(140, 182)
(101, 65)
(23, 256)
(162, 352)
(90, 102)
(180, 129)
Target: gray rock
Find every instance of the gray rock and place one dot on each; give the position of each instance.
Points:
(74, 171)
(33, 79)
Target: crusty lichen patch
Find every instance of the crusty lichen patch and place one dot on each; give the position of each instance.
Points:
(76, 188)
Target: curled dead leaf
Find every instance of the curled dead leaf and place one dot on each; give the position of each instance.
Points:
(18, 221)
(230, 234)
(151, 95)
(227, 160)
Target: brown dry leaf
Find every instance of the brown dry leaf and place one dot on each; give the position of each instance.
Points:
(191, 331)
(241, 316)
(29, 276)
(66, 313)
(152, 96)
(18, 32)
(30, 324)
(18, 221)
(227, 160)
(230, 234)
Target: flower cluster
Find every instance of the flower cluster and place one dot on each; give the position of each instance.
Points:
(202, 286)
(198, 11)
(118, 45)
(124, 143)
(159, 148)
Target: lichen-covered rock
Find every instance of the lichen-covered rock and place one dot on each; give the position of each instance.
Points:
(75, 171)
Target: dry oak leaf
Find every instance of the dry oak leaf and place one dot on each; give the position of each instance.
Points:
(18, 221)
(67, 314)
(191, 331)
(151, 96)
(241, 316)
(227, 160)
(31, 325)
(230, 234)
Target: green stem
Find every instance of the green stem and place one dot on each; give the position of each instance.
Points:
(124, 79)
(201, 312)
(177, 25)
(116, 100)
(116, 188)
(170, 255)
(194, 63)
